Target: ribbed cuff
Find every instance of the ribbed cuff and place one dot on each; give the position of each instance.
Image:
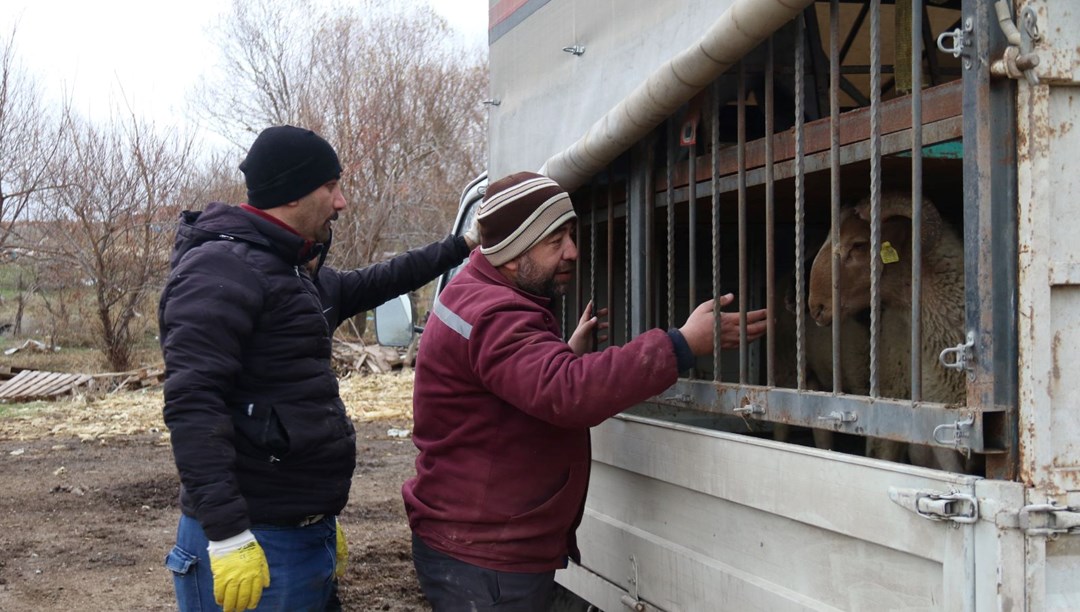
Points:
(221, 547)
(684, 357)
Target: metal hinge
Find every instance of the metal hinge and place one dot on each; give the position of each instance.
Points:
(630, 600)
(936, 506)
(1018, 60)
(1049, 520)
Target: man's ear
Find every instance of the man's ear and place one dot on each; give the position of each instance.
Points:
(511, 266)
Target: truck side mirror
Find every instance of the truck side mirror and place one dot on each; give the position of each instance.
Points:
(394, 322)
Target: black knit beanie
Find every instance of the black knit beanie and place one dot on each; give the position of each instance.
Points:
(286, 163)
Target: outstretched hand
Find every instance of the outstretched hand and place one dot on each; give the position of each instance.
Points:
(581, 341)
(757, 322)
(698, 329)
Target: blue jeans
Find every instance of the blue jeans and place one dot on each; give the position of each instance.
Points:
(451, 585)
(301, 561)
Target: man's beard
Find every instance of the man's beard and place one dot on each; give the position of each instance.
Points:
(530, 278)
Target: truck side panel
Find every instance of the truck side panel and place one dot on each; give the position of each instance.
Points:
(528, 62)
(683, 518)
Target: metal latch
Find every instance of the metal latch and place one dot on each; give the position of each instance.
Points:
(936, 506)
(960, 40)
(749, 409)
(1049, 519)
(960, 356)
(956, 434)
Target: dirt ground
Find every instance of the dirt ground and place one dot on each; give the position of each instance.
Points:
(88, 511)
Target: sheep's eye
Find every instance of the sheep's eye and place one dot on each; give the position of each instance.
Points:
(858, 249)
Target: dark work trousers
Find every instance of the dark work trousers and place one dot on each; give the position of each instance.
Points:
(451, 585)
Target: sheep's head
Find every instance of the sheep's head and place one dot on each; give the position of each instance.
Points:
(854, 255)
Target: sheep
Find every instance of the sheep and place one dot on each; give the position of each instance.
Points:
(943, 294)
(817, 348)
(854, 366)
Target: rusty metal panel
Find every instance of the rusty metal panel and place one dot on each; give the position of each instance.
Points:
(1049, 259)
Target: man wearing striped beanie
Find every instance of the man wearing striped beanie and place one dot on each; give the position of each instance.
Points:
(502, 405)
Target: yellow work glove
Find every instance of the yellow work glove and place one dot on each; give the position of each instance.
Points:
(240, 572)
(342, 553)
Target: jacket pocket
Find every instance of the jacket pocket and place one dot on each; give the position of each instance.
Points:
(562, 504)
(260, 433)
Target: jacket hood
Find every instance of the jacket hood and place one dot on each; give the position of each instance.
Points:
(223, 222)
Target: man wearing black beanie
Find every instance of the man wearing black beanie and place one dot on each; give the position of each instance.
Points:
(262, 443)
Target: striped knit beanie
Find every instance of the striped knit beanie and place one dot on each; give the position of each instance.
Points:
(517, 212)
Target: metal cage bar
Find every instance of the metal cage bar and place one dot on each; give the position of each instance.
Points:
(916, 200)
(770, 215)
(875, 193)
(672, 138)
(744, 348)
(714, 143)
(609, 301)
(800, 202)
(834, 181)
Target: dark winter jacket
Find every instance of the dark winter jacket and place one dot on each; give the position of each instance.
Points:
(501, 409)
(258, 430)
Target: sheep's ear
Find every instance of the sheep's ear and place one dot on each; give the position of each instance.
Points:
(895, 205)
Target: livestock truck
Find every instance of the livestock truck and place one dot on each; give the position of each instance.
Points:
(714, 146)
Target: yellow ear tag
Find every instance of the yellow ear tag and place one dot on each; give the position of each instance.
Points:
(889, 254)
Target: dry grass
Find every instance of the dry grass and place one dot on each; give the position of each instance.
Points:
(82, 360)
(367, 398)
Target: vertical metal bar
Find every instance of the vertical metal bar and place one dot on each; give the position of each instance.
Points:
(594, 201)
(800, 200)
(916, 202)
(714, 138)
(637, 239)
(649, 304)
(579, 282)
(991, 236)
(875, 191)
(691, 238)
(628, 304)
(744, 349)
(834, 180)
(672, 137)
(770, 217)
(609, 301)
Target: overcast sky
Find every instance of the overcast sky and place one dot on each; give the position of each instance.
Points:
(147, 52)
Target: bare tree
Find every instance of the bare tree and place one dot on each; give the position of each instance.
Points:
(111, 226)
(29, 137)
(403, 106)
(385, 83)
